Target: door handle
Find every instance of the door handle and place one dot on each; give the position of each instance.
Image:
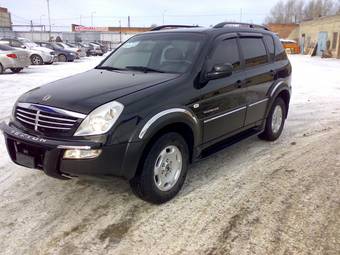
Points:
(239, 84)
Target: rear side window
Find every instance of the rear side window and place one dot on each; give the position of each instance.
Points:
(270, 45)
(280, 53)
(227, 52)
(254, 51)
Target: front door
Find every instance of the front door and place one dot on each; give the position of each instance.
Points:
(322, 43)
(223, 103)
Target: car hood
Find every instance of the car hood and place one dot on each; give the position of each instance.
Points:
(86, 91)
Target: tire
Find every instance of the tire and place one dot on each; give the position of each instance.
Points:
(275, 123)
(36, 60)
(2, 70)
(48, 63)
(62, 58)
(147, 184)
(16, 70)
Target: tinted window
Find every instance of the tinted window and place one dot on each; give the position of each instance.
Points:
(226, 52)
(270, 45)
(280, 53)
(254, 51)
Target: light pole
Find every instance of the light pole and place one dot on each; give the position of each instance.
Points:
(92, 18)
(49, 18)
(41, 27)
(164, 16)
(120, 31)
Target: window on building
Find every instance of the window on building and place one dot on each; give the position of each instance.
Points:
(226, 52)
(335, 40)
(254, 51)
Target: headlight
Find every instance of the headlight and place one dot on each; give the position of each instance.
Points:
(100, 120)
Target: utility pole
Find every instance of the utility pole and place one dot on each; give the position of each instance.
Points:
(49, 19)
(92, 18)
(120, 31)
(129, 21)
(80, 20)
(164, 16)
(241, 13)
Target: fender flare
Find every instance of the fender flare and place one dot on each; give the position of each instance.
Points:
(275, 90)
(150, 126)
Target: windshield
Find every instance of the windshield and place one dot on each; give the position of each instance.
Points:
(168, 53)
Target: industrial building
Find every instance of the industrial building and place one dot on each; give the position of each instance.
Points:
(5, 23)
(321, 33)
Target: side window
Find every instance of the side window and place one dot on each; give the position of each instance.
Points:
(227, 52)
(15, 43)
(280, 53)
(270, 45)
(254, 51)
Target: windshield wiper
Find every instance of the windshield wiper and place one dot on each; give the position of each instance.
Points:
(144, 69)
(109, 68)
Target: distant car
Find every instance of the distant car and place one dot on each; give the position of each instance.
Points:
(63, 55)
(291, 46)
(102, 47)
(38, 55)
(13, 59)
(95, 50)
(82, 52)
(67, 47)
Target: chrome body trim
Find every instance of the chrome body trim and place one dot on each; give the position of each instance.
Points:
(276, 87)
(225, 114)
(51, 109)
(161, 114)
(258, 102)
(69, 147)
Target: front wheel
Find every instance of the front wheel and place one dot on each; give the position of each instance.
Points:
(163, 170)
(16, 70)
(275, 121)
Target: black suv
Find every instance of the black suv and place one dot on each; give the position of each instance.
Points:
(160, 101)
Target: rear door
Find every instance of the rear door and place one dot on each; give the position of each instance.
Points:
(259, 75)
(223, 101)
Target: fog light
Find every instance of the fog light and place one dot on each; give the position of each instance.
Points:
(81, 154)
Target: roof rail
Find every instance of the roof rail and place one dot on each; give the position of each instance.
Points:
(240, 24)
(171, 27)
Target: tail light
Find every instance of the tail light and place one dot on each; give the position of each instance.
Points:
(11, 55)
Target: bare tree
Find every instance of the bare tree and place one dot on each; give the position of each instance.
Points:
(291, 11)
(284, 12)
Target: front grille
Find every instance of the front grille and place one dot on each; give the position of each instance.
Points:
(45, 121)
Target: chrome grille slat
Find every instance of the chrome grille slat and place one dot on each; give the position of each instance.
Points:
(41, 119)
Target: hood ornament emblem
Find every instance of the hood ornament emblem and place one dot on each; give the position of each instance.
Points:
(46, 98)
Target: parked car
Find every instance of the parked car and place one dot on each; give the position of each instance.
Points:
(103, 47)
(38, 55)
(82, 52)
(63, 55)
(95, 50)
(13, 59)
(291, 46)
(67, 47)
(162, 100)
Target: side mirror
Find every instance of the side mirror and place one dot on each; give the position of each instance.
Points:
(23, 46)
(220, 71)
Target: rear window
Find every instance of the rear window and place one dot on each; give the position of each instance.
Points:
(5, 47)
(254, 51)
(270, 45)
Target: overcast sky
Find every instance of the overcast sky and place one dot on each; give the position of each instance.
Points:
(143, 13)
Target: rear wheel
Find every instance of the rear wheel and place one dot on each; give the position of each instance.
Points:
(16, 70)
(62, 58)
(163, 170)
(275, 121)
(36, 60)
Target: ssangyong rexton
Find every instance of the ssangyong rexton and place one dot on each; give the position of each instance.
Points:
(160, 101)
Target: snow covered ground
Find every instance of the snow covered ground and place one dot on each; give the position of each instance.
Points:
(254, 197)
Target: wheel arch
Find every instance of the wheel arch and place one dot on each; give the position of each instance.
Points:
(281, 89)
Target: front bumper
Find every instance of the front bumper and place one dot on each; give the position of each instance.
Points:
(47, 154)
